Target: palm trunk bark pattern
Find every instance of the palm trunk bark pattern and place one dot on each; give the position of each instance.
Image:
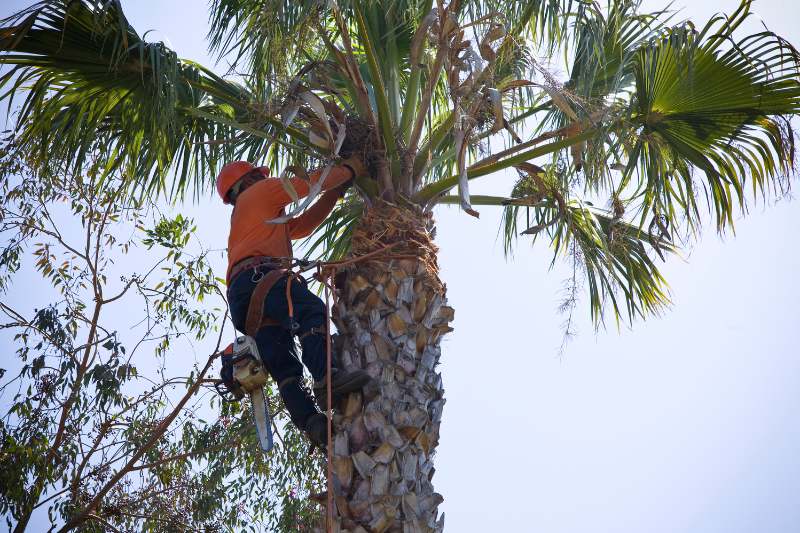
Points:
(391, 314)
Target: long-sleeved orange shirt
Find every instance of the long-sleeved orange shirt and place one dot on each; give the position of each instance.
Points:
(265, 200)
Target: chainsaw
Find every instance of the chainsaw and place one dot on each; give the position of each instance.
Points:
(244, 374)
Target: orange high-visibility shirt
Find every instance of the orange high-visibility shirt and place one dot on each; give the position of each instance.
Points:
(265, 200)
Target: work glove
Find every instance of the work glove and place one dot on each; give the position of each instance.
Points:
(357, 165)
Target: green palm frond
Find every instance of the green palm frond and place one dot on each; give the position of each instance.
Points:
(618, 267)
(617, 258)
(605, 44)
(266, 40)
(705, 112)
(544, 22)
(652, 118)
(708, 105)
(331, 241)
(85, 79)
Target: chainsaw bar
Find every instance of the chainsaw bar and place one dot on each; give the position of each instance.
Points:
(261, 416)
(243, 373)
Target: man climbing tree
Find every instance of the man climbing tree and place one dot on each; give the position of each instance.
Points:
(272, 305)
(658, 124)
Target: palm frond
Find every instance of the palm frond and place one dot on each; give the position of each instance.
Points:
(266, 41)
(85, 78)
(616, 257)
(331, 241)
(707, 104)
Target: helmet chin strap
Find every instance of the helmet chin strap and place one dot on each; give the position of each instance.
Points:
(235, 190)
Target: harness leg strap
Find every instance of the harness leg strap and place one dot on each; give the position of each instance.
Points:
(255, 310)
(316, 330)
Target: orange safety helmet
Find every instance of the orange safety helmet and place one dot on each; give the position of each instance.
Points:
(229, 175)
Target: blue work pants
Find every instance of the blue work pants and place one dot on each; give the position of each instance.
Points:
(276, 344)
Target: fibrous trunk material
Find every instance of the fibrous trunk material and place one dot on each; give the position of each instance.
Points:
(391, 314)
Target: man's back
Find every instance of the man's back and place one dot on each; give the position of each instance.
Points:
(250, 233)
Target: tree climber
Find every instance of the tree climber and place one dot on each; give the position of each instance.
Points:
(260, 303)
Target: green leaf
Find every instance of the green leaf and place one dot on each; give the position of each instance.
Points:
(715, 105)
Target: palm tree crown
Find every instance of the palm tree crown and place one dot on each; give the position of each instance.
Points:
(658, 121)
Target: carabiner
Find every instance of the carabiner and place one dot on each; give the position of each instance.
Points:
(305, 264)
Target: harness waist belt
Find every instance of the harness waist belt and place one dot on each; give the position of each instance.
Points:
(255, 262)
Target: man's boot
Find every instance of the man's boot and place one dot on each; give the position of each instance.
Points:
(316, 428)
(343, 382)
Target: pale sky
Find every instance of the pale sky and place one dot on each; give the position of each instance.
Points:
(685, 423)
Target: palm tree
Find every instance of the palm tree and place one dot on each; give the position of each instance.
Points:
(658, 123)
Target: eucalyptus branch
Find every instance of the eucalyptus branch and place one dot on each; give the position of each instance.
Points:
(51, 497)
(122, 292)
(76, 477)
(22, 322)
(162, 427)
(169, 523)
(103, 521)
(38, 484)
(55, 234)
(233, 441)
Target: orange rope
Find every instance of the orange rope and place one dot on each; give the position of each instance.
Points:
(329, 520)
(324, 272)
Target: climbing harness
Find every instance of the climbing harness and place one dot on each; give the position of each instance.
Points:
(313, 331)
(255, 311)
(288, 268)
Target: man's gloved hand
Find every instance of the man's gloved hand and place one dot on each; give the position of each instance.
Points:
(356, 165)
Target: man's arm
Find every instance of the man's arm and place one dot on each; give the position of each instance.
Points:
(274, 193)
(305, 224)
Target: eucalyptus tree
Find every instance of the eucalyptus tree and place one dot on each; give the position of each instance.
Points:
(657, 123)
(103, 406)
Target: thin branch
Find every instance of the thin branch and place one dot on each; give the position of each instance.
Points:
(159, 431)
(104, 522)
(233, 441)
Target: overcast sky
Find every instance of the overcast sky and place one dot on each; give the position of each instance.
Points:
(685, 423)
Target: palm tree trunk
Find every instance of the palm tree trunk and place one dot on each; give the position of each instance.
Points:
(391, 314)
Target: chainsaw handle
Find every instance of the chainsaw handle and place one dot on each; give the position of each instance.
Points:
(240, 357)
(227, 395)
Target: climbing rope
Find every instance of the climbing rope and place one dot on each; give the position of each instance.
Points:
(325, 271)
(329, 392)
